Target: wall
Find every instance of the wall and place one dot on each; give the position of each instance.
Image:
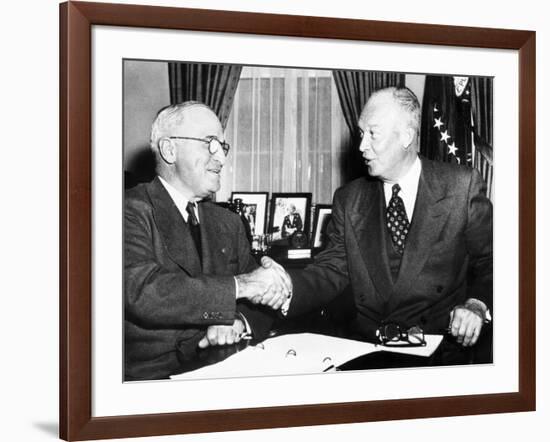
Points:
(416, 84)
(29, 221)
(146, 91)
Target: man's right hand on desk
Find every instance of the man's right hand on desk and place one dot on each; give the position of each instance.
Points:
(223, 334)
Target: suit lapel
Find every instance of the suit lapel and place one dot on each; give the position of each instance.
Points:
(173, 228)
(368, 221)
(431, 210)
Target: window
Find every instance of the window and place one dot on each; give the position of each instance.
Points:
(287, 134)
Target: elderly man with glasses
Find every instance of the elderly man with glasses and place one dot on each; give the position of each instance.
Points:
(189, 275)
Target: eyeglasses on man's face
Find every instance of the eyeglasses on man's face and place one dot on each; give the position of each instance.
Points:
(214, 143)
(392, 334)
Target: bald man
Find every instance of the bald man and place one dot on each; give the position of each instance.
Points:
(189, 274)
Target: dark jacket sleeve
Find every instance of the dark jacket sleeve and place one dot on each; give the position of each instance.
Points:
(159, 294)
(479, 242)
(323, 280)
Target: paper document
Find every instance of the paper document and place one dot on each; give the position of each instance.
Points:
(299, 354)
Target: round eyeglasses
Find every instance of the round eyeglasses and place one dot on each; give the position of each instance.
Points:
(214, 143)
(392, 334)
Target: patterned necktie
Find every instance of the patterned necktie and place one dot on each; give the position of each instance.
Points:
(194, 227)
(396, 220)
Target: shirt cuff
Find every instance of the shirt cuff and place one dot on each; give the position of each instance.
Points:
(247, 328)
(480, 305)
(236, 287)
(286, 305)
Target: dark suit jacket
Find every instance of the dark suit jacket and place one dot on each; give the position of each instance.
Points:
(169, 300)
(447, 259)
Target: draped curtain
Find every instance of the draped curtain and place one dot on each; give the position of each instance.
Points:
(354, 89)
(212, 84)
(482, 115)
(287, 134)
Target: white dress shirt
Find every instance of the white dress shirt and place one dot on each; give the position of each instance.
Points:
(179, 200)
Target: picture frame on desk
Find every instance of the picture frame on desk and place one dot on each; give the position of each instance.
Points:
(323, 212)
(255, 208)
(94, 402)
(290, 213)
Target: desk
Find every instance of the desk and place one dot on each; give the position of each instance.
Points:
(447, 353)
(332, 320)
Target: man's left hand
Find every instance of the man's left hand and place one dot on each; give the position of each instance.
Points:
(223, 334)
(466, 323)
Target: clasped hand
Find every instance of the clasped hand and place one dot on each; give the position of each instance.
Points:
(267, 285)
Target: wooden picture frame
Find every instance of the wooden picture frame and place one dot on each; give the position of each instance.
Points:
(76, 419)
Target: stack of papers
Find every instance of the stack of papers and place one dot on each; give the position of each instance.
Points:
(299, 354)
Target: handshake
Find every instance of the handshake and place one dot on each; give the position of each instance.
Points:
(268, 285)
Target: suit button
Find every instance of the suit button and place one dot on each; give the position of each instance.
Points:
(439, 288)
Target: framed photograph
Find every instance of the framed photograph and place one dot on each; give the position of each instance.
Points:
(323, 213)
(290, 213)
(255, 209)
(97, 41)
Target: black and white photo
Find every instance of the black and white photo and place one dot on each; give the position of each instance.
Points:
(255, 209)
(290, 214)
(176, 319)
(401, 177)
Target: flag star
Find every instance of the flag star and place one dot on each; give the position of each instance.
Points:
(445, 136)
(452, 149)
(435, 108)
(438, 122)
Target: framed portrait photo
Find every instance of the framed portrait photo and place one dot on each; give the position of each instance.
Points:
(290, 213)
(323, 213)
(255, 209)
(286, 122)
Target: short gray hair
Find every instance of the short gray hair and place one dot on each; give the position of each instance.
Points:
(166, 118)
(406, 99)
